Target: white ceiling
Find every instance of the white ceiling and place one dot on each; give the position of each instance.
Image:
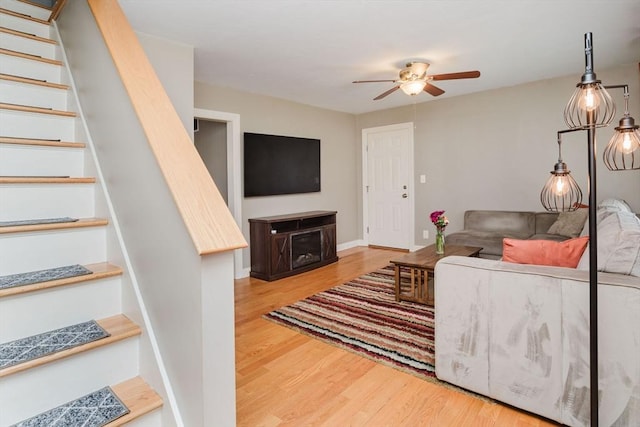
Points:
(309, 51)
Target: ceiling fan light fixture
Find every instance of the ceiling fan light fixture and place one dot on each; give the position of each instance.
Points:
(414, 79)
(413, 87)
(418, 68)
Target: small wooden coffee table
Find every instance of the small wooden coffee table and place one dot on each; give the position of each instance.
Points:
(421, 265)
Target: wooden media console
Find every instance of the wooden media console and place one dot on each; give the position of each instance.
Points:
(285, 245)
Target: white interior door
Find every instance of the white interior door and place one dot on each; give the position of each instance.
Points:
(388, 185)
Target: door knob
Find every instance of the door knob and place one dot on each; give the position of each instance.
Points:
(404, 196)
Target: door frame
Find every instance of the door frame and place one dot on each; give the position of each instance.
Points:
(234, 190)
(365, 180)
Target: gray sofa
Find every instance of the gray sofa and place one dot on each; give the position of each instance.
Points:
(487, 228)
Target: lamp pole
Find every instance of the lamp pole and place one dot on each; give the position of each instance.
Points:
(593, 270)
(591, 107)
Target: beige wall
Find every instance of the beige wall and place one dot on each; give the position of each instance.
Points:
(173, 63)
(339, 154)
(488, 150)
(495, 149)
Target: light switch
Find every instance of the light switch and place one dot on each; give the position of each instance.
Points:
(423, 179)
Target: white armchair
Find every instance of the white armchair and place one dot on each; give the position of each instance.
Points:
(520, 334)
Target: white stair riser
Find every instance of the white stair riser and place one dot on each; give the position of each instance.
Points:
(31, 160)
(58, 307)
(34, 125)
(27, 9)
(31, 392)
(33, 95)
(25, 25)
(24, 67)
(27, 45)
(27, 201)
(20, 252)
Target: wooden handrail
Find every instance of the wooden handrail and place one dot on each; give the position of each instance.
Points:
(204, 211)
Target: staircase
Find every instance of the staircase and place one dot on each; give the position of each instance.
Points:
(43, 163)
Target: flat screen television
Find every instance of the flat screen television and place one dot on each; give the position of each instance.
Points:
(276, 165)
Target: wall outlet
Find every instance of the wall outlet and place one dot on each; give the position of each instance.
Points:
(425, 234)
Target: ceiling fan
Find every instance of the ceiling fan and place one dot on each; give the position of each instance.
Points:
(414, 79)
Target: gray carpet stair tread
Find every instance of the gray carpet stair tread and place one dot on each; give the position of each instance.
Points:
(39, 276)
(93, 410)
(37, 221)
(36, 346)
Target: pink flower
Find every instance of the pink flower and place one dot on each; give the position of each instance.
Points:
(435, 215)
(438, 219)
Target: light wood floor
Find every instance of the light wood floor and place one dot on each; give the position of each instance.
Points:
(284, 378)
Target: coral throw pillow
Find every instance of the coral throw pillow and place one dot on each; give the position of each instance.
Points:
(544, 252)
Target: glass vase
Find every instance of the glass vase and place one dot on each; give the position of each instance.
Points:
(439, 240)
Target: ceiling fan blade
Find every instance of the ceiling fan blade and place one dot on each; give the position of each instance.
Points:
(390, 91)
(372, 81)
(433, 90)
(453, 76)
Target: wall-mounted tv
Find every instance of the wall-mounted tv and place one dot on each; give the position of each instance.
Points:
(280, 165)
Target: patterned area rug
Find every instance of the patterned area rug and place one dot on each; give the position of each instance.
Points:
(363, 316)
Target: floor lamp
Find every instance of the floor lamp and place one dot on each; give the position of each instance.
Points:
(589, 108)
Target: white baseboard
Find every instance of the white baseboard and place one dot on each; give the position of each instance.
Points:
(243, 273)
(354, 243)
(351, 244)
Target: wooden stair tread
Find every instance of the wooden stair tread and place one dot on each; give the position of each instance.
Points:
(41, 142)
(119, 326)
(37, 110)
(99, 270)
(23, 16)
(81, 223)
(138, 396)
(46, 180)
(26, 35)
(30, 81)
(30, 57)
